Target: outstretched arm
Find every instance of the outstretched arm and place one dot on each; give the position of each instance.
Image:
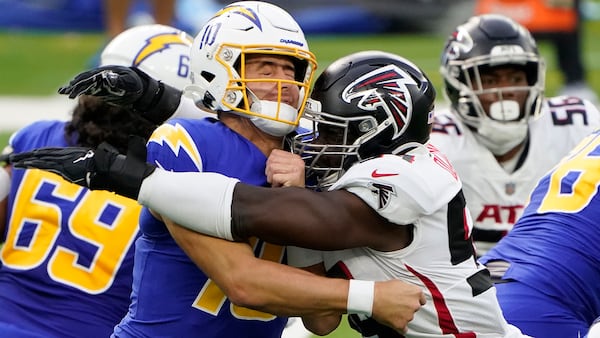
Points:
(283, 290)
(128, 87)
(232, 210)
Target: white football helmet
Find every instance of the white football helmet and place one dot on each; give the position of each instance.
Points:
(160, 51)
(218, 55)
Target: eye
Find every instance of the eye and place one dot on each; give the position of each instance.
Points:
(488, 81)
(518, 78)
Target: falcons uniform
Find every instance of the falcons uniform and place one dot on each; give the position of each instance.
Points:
(171, 297)
(419, 189)
(67, 256)
(495, 197)
(553, 253)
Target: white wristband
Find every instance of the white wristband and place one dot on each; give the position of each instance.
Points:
(360, 297)
(4, 183)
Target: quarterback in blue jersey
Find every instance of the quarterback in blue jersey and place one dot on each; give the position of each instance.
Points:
(548, 267)
(67, 254)
(258, 92)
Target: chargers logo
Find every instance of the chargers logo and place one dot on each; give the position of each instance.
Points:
(246, 12)
(158, 43)
(178, 140)
(387, 88)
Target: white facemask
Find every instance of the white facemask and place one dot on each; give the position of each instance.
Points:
(500, 137)
(269, 108)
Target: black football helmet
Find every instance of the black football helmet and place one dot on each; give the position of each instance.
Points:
(364, 105)
(487, 41)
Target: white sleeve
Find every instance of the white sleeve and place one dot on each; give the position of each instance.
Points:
(188, 109)
(301, 257)
(200, 202)
(4, 183)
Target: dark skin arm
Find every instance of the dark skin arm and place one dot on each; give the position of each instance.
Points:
(309, 219)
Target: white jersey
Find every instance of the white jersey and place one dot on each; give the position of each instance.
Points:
(495, 197)
(419, 189)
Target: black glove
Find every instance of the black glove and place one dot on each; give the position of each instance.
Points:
(100, 169)
(5, 158)
(128, 87)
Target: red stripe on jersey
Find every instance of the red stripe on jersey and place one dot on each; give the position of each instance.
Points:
(445, 320)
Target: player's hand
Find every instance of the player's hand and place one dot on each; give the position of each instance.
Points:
(128, 87)
(100, 169)
(71, 163)
(285, 169)
(396, 302)
(116, 84)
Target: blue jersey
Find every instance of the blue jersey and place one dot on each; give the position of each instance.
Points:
(67, 257)
(171, 296)
(553, 248)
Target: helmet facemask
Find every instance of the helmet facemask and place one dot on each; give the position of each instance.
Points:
(331, 147)
(220, 53)
(275, 117)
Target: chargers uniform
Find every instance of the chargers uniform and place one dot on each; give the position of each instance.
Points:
(171, 296)
(496, 198)
(67, 257)
(552, 284)
(419, 189)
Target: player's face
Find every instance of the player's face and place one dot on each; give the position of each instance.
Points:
(272, 67)
(504, 80)
(331, 136)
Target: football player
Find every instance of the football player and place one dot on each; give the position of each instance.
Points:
(499, 132)
(67, 253)
(379, 188)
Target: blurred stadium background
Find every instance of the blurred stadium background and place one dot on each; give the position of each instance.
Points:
(46, 42)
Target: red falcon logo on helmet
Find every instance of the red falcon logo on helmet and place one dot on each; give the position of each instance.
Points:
(395, 101)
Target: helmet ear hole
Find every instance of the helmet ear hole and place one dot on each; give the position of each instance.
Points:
(207, 76)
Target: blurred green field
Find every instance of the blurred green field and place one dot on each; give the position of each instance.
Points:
(37, 63)
(34, 64)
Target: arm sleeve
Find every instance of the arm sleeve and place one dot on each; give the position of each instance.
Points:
(4, 183)
(177, 195)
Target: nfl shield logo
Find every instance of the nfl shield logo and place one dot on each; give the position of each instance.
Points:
(509, 188)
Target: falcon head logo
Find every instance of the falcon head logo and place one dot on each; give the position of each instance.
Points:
(384, 88)
(385, 193)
